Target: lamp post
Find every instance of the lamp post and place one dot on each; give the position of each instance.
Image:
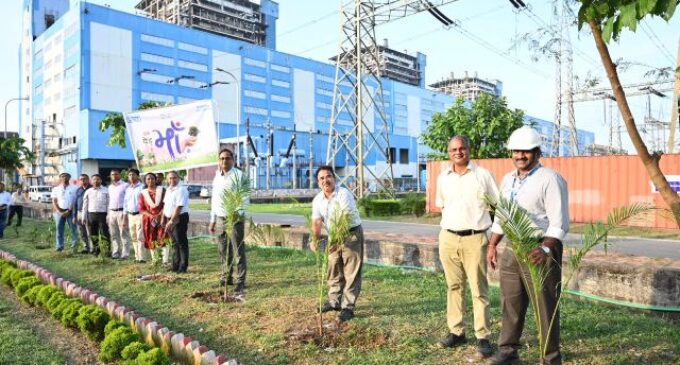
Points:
(238, 113)
(6, 104)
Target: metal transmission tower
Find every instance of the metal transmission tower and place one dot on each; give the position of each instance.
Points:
(358, 125)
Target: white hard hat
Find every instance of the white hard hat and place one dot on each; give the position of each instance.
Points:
(524, 139)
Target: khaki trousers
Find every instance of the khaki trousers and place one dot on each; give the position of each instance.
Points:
(344, 271)
(464, 259)
(137, 236)
(515, 300)
(120, 236)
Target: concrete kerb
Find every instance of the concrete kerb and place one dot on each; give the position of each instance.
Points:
(181, 348)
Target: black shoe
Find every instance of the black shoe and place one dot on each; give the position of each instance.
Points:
(345, 315)
(228, 281)
(329, 307)
(240, 288)
(484, 347)
(504, 359)
(452, 340)
(85, 251)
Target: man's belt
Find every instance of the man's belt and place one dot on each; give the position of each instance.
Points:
(466, 232)
(116, 210)
(133, 213)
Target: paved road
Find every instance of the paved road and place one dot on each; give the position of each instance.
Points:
(649, 247)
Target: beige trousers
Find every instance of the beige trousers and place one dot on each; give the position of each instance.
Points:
(137, 236)
(344, 271)
(464, 259)
(120, 236)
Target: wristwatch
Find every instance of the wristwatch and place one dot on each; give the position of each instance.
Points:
(546, 250)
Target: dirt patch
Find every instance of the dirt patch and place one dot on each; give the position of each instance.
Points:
(75, 347)
(336, 334)
(159, 278)
(215, 297)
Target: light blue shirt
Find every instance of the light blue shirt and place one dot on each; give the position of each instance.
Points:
(131, 199)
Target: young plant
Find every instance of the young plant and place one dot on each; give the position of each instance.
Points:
(234, 202)
(321, 267)
(524, 236)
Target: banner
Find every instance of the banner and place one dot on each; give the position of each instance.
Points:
(173, 138)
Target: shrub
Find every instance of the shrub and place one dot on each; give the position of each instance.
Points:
(92, 320)
(70, 313)
(112, 326)
(19, 274)
(6, 276)
(45, 293)
(413, 203)
(6, 265)
(58, 311)
(133, 350)
(31, 295)
(153, 357)
(55, 300)
(24, 284)
(384, 207)
(115, 342)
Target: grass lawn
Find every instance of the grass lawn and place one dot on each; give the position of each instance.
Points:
(19, 344)
(672, 234)
(400, 314)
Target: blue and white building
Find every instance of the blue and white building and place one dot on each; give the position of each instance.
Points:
(80, 61)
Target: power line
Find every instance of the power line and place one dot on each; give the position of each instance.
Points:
(311, 22)
(656, 41)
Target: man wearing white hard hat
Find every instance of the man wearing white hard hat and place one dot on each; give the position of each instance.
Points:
(542, 192)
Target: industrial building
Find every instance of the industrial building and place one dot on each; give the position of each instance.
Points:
(468, 87)
(80, 61)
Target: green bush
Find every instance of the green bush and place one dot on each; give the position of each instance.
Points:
(413, 203)
(31, 295)
(115, 342)
(4, 265)
(92, 320)
(153, 357)
(26, 283)
(45, 293)
(55, 300)
(112, 326)
(19, 274)
(70, 313)
(133, 350)
(6, 277)
(58, 311)
(384, 207)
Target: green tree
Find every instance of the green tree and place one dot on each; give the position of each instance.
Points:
(116, 122)
(13, 154)
(487, 123)
(606, 20)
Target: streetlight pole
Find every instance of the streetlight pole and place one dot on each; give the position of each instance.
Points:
(238, 113)
(6, 104)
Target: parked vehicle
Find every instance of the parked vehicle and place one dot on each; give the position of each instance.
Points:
(206, 191)
(194, 190)
(41, 193)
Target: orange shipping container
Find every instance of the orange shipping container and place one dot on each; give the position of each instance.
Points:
(597, 184)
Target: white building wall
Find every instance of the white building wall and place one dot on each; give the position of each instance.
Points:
(225, 95)
(110, 68)
(414, 112)
(303, 99)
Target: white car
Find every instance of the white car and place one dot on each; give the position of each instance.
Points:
(206, 191)
(42, 193)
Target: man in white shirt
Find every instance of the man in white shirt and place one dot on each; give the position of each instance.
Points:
(543, 194)
(117, 219)
(5, 200)
(344, 262)
(63, 200)
(176, 221)
(94, 211)
(16, 207)
(134, 219)
(461, 189)
(224, 180)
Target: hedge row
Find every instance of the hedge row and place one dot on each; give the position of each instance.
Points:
(117, 340)
(412, 203)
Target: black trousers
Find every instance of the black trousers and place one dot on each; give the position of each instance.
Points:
(180, 244)
(229, 246)
(19, 211)
(98, 228)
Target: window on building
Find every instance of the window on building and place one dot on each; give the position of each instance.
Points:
(255, 78)
(278, 68)
(149, 57)
(192, 65)
(192, 48)
(403, 156)
(157, 40)
(392, 154)
(255, 94)
(280, 83)
(280, 98)
(254, 62)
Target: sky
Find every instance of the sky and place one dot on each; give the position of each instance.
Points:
(486, 42)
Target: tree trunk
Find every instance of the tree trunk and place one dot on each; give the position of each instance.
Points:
(651, 162)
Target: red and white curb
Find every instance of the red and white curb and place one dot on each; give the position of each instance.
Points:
(182, 348)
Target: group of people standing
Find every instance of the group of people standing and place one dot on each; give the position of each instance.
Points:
(11, 205)
(143, 216)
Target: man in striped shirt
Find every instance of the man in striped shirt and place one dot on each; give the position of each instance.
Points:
(95, 205)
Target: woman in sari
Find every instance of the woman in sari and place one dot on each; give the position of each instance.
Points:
(151, 208)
